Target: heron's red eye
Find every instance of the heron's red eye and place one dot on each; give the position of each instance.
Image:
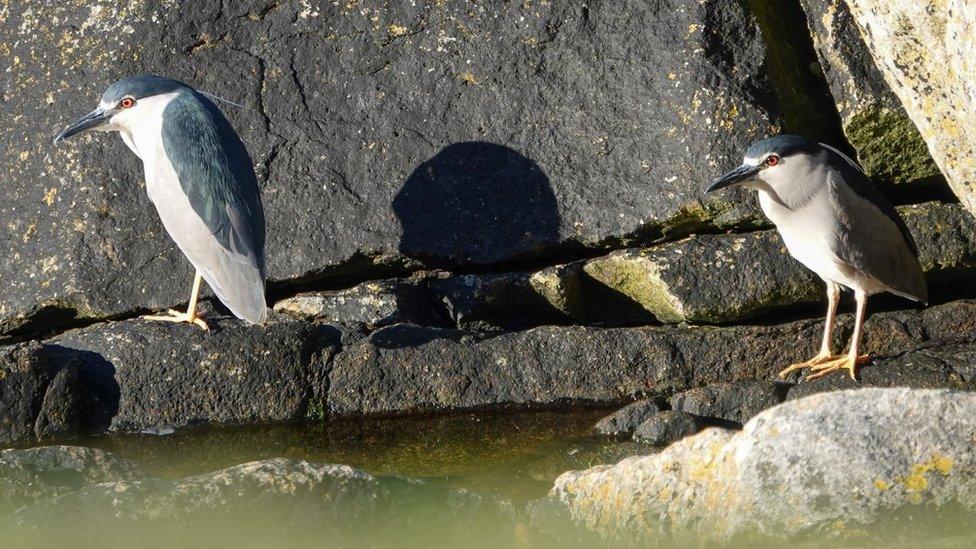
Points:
(772, 160)
(127, 102)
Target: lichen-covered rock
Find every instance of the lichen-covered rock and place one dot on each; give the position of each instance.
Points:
(825, 465)
(724, 278)
(37, 475)
(888, 144)
(665, 427)
(623, 422)
(734, 401)
(924, 50)
(384, 134)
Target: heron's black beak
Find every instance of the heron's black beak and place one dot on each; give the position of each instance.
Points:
(738, 175)
(90, 121)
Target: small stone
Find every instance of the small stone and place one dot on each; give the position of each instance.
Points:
(666, 427)
(623, 422)
(731, 401)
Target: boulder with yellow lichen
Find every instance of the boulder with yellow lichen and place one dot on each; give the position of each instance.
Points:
(925, 52)
(823, 467)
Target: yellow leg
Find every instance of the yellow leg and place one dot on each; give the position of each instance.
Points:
(833, 297)
(851, 361)
(190, 316)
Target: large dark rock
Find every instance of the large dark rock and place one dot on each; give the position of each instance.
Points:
(665, 427)
(406, 368)
(384, 134)
(168, 375)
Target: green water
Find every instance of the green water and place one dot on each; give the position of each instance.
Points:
(509, 457)
(516, 456)
(510, 460)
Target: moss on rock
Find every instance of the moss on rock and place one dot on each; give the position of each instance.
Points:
(889, 146)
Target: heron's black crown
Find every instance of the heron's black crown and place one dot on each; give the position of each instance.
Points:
(783, 145)
(141, 86)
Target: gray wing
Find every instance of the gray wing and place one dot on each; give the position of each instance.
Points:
(217, 175)
(873, 239)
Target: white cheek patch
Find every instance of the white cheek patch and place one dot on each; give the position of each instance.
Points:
(750, 161)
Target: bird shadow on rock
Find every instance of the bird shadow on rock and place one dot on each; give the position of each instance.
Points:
(83, 396)
(477, 203)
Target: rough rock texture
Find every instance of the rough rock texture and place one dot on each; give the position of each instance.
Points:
(534, 127)
(374, 304)
(328, 502)
(924, 50)
(623, 422)
(735, 401)
(724, 278)
(25, 373)
(41, 474)
(140, 375)
(407, 368)
(823, 465)
(666, 427)
(888, 144)
(477, 301)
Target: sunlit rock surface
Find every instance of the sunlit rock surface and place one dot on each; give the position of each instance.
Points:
(925, 52)
(824, 466)
(887, 143)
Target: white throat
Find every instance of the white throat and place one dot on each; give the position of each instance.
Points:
(141, 126)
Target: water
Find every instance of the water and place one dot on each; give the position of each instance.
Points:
(511, 459)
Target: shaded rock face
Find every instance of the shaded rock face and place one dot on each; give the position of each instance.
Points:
(25, 373)
(404, 368)
(735, 402)
(623, 422)
(666, 427)
(823, 465)
(384, 135)
(888, 144)
(925, 52)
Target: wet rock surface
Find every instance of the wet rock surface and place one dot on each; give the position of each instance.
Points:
(824, 465)
(477, 111)
(622, 423)
(666, 427)
(276, 493)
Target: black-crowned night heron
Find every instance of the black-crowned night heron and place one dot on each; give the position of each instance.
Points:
(201, 180)
(836, 223)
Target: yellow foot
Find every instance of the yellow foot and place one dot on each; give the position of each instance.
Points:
(819, 359)
(845, 362)
(177, 316)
